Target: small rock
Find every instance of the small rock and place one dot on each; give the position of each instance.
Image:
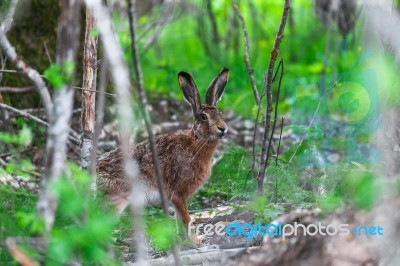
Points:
(14, 184)
(248, 139)
(31, 186)
(248, 124)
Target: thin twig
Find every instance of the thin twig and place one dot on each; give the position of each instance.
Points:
(32, 74)
(276, 160)
(91, 90)
(275, 111)
(143, 102)
(164, 18)
(312, 119)
(15, 90)
(268, 86)
(73, 136)
(47, 52)
(246, 58)
(147, 119)
(214, 25)
(24, 114)
(256, 124)
(9, 71)
(279, 143)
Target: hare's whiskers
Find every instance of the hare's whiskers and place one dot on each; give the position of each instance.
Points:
(201, 148)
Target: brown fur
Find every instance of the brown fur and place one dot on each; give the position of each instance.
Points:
(185, 156)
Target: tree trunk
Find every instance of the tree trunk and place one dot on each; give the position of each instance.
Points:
(88, 91)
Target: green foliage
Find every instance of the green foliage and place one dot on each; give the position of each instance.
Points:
(59, 75)
(350, 186)
(229, 178)
(12, 205)
(291, 186)
(258, 205)
(162, 231)
(23, 168)
(83, 228)
(23, 138)
(13, 142)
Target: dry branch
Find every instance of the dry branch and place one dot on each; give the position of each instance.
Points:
(10, 15)
(24, 114)
(72, 135)
(275, 111)
(246, 58)
(31, 73)
(143, 102)
(268, 87)
(18, 254)
(15, 90)
(146, 116)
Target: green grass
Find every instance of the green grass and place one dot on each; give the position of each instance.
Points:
(11, 203)
(229, 180)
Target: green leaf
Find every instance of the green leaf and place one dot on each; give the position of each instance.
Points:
(258, 205)
(58, 76)
(54, 76)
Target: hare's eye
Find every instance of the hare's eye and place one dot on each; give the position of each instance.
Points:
(203, 117)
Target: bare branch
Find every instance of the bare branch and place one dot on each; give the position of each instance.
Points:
(121, 81)
(24, 114)
(147, 119)
(246, 58)
(15, 90)
(143, 102)
(18, 254)
(275, 111)
(276, 160)
(312, 119)
(268, 87)
(279, 143)
(57, 134)
(73, 136)
(8, 71)
(32, 74)
(213, 21)
(10, 15)
(91, 90)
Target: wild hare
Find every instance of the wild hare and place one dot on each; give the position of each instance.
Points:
(185, 155)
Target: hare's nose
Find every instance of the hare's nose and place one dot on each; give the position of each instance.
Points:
(222, 131)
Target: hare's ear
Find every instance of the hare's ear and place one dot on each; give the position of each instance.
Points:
(217, 87)
(190, 91)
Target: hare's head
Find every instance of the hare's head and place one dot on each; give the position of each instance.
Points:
(209, 123)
